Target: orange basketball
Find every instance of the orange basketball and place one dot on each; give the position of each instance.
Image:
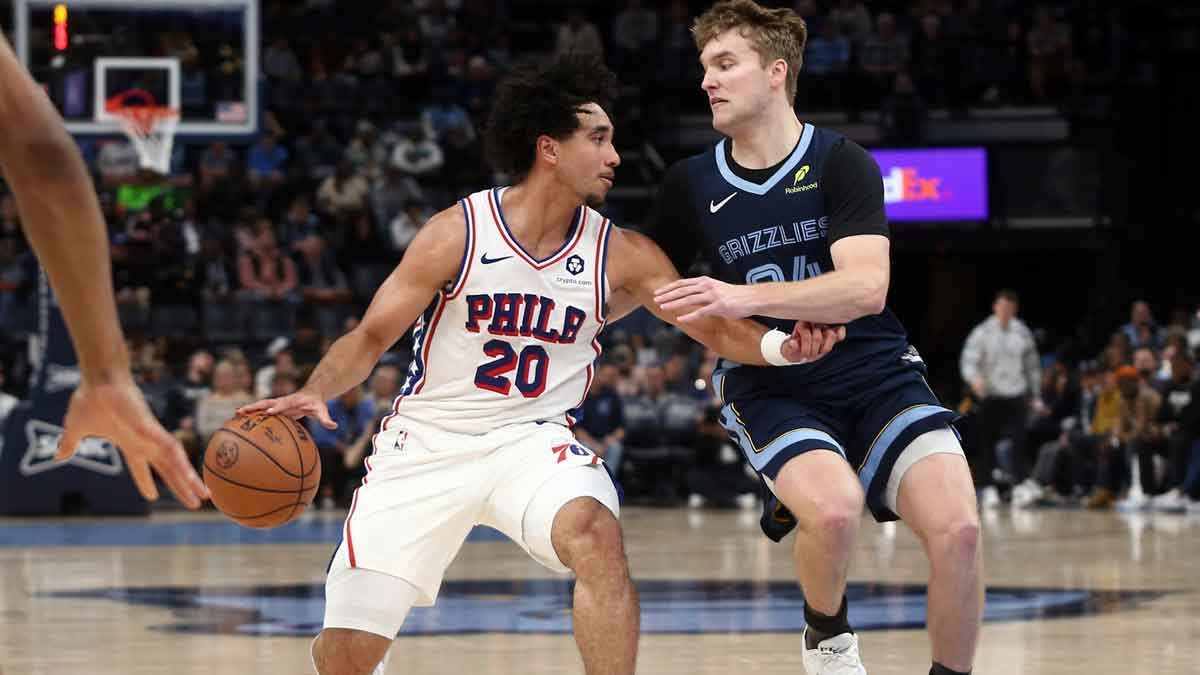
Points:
(262, 470)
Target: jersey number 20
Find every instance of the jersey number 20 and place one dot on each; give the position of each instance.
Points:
(530, 364)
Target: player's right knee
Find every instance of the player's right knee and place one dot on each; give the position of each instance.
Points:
(821, 490)
(344, 651)
(585, 531)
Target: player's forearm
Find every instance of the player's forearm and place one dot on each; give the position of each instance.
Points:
(833, 298)
(62, 220)
(737, 339)
(347, 364)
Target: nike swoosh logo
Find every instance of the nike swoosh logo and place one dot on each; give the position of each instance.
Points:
(713, 207)
(488, 261)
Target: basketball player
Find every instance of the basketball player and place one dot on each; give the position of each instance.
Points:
(791, 220)
(62, 219)
(511, 288)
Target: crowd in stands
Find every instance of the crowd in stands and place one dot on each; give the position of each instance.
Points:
(1119, 430)
(235, 271)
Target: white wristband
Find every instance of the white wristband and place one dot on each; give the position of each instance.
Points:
(771, 347)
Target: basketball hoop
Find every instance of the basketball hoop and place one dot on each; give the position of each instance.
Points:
(150, 127)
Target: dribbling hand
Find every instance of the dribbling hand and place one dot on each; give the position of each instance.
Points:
(117, 411)
(811, 341)
(300, 404)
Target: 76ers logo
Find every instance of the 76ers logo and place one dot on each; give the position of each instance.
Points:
(574, 449)
(227, 455)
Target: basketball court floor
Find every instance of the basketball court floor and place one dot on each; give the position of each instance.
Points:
(1070, 592)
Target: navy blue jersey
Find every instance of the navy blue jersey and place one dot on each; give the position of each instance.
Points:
(778, 224)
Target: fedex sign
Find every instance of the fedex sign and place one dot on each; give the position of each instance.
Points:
(934, 184)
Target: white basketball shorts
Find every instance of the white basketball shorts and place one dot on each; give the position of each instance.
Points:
(426, 488)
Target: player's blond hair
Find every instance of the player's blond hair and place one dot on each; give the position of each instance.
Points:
(773, 33)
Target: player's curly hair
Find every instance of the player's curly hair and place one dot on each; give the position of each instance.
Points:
(542, 98)
(774, 33)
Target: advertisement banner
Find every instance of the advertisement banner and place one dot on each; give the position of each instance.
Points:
(934, 184)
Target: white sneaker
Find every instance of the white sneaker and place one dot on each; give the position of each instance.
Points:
(695, 501)
(1171, 501)
(837, 655)
(1026, 494)
(1134, 501)
(989, 497)
(748, 500)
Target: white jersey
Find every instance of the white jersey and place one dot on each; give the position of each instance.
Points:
(513, 338)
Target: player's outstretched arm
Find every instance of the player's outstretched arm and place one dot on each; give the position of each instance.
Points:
(856, 287)
(61, 216)
(432, 261)
(637, 266)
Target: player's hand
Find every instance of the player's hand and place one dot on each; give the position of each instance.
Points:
(117, 411)
(702, 296)
(300, 404)
(810, 342)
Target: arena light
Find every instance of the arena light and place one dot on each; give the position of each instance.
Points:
(61, 36)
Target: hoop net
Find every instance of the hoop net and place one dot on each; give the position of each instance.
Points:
(150, 127)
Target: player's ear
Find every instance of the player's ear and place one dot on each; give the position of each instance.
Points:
(547, 149)
(779, 70)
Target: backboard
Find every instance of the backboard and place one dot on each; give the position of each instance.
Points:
(200, 56)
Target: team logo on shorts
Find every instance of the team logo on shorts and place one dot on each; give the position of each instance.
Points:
(575, 265)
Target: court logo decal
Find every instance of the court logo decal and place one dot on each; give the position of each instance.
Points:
(92, 454)
(544, 606)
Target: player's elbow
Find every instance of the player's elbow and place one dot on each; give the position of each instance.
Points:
(872, 295)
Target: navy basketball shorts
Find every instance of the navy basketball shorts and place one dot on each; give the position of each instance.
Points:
(870, 429)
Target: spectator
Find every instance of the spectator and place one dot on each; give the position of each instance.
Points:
(282, 362)
(405, 225)
(264, 273)
(117, 163)
(355, 416)
(216, 164)
(265, 163)
(935, 65)
(634, 32)
(344, 191)
(282, 384)
(14, 280)
(322, 284)
(1141, 330)
(578, 35)
(384, 387)
(602, 427)
(1133, 410)
(215, 273)
(884, 54)
(416, 153)
(218, 407)
(299, 222)
(444, 117)
(1000, 364)
(717, 476)
(852, 19)
(280, 62)
(660, 428)
(1165, 441)
(826, 60)
(391, 195)
(367, 151)
(903, 116)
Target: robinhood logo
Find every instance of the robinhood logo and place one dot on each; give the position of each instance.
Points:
(799, 176)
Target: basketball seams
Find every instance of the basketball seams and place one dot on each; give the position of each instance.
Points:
(213, 472)
(296, 440)
(300, 457)
(264, 452)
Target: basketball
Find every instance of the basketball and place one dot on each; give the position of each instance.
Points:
(262, 470)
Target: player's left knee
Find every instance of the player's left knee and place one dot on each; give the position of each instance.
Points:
(587, 535)
(960, 541)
